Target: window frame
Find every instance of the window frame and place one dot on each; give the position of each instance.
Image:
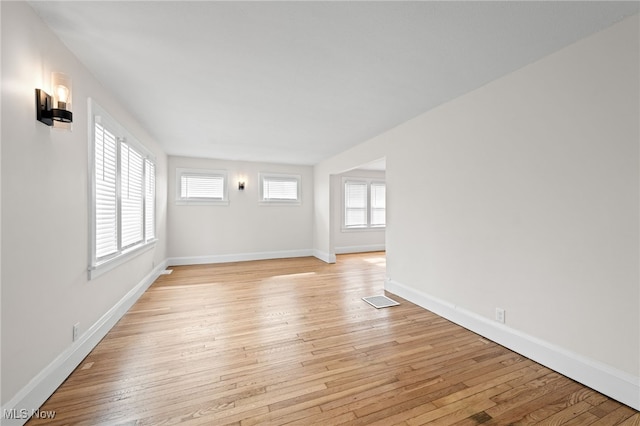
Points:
(201, 201)
(281, 176)
(100, 265)
(369, 207)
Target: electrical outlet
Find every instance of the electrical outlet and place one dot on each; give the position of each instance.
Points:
(500, 315)
(76, 328)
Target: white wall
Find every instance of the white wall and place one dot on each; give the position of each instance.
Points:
(45, 241)
(244, 229)
(529, 201)
(356, 240)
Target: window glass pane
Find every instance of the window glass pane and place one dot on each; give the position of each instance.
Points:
(355, 204)
(150, 201)
(131, 195)
(356, 195)
(106, 221)
(378, 212)
(378, 217)
(279, 189)
(355, 217)
(378, 192)
(201, 187)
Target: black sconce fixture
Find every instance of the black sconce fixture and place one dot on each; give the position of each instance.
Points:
(45, 111)
(241, 185)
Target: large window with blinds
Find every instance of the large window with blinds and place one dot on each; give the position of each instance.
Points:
(122, 176)
(200, 186)
(364, 204)
(279, 188)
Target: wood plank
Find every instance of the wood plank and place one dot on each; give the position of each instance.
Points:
(632, 421)
(620, 415)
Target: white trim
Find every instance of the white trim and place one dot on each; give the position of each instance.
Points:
(202, 202)
(100, 115)
(40, 387)
(324, 256)
(123, 257)
(360, 249)
(617, 384)
(355, 229)
(275, 203)
(238, 257)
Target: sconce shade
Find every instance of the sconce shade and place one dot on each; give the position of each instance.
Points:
(62, 95)
(241, 185)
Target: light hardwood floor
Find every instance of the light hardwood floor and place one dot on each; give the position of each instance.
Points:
(291, 342)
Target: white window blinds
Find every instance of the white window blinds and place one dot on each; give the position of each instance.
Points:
(203, 187)
(355, 201)
(364, 204)
(131, 195)
(378, 204)
(150, 200)
(274, 189)
(279, 188)
(123, 192)
(106, 200)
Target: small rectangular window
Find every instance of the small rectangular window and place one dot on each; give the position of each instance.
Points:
(195, 186)
(202, 187)
(279, 188)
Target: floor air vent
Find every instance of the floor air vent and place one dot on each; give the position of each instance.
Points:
(380, 301)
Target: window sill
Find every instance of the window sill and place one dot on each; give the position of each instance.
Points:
(280, 203)
(107, 265)
(202, 202)
(364, 229)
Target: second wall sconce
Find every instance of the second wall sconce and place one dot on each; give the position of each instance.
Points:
(57, 107)
(241, 185)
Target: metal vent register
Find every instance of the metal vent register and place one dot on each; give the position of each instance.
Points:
(380, 301)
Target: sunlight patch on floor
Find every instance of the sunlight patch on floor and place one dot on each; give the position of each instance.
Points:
(378, 261)
(298, 275)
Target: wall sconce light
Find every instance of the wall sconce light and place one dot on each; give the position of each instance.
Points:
(241, 185)
(57, 107)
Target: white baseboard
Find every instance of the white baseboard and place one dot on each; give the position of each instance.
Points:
(239, 257)
(605, 379)
(324, 256)
(27, 401)
(360, 249)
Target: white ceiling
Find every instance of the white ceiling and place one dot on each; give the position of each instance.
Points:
(297, 82)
